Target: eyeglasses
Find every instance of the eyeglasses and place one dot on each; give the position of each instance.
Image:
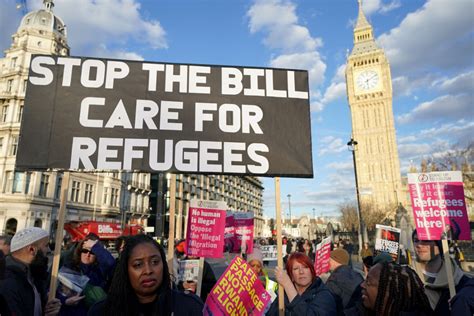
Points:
(86, 251)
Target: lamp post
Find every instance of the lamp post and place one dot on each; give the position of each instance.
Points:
(352, 147)
(289, 206)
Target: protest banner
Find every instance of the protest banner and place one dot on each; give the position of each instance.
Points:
(321, 258)
(239, 232)
(188, 270)
(100, 114)
(237, 292)
(206, 223)
(387, 239)
(439, 207)
(269, 253)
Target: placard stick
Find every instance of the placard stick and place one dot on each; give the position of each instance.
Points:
(281, 294)
(449, 268)
(200, 274)
(171, 230)
(59, 236)
(179, 220)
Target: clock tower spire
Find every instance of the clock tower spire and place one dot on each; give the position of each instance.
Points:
(369, 93)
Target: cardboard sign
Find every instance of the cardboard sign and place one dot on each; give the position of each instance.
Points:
(269, 253)
(237, 292)
(321, 258)
(387, 239)
(206, 223)
(239, 232)
(188, 270)
(97, 114)
(439, 208)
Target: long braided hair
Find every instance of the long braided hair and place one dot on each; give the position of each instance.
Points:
(400, 290)
(121, 299)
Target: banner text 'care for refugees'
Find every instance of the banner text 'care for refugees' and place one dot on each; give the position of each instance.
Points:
(188, 118)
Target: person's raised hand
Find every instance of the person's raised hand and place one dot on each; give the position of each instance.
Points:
(52, 307)
(282, 277)
(74, 300)
(88, 244)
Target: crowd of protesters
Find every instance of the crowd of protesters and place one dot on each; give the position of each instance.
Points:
(139, 282)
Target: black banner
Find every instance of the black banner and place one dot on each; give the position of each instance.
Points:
(95, 114)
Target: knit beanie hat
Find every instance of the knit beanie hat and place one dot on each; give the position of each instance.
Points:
(255, 255)
(340, 255)
(26, 237)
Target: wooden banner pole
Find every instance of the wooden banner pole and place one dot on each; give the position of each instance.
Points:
(281, 293)
(449, 268)
(59, 236)
(179, 220)
(172, 221)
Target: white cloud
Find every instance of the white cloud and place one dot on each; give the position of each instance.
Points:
(102, 51)
(442, 38)
(335, 91)
(341, 166)
(331, 145)
(278, 21)
(94, 24)
(372, 6)
(310, 61)
(442, 108)
(463, 82)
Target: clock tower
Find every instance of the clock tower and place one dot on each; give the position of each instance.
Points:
(369, 92)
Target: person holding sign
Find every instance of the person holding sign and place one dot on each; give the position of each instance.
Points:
(142, 284)
(305, 293)
(431, 269)
(255, 261)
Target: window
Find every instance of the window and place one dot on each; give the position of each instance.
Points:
(76, 188)
(106, 196)
(4, 113)
(25, 83)
(20, 113)
(114, 197)
(14, 146)
(27, 182)
(1, 146)
(88, 192)
(18, 182)
(7, 186)
(13, 62)
(57, 194)
(43, 191)
(9, 85)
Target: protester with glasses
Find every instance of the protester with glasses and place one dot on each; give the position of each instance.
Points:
(305, 293)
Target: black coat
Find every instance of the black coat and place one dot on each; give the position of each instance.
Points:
(183, 304)
(343, 283)
(317, 300)
(17, 290)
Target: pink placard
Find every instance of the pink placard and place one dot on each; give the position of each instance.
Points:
(321, 259)
(239, 232)
(237, 292)
(206, 223)
(439, 208)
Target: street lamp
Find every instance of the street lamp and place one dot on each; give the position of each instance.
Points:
(289, 206)
(352, 147)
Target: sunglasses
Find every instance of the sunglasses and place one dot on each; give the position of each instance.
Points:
(85, 251)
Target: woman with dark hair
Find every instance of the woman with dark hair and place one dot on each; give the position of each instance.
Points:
(305, 293)
(93, 260)
(142, 285)
(392, 289)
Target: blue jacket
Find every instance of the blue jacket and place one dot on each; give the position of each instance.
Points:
(101, 271)
(317, 300)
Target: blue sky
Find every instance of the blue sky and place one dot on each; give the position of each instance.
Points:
(429, 44)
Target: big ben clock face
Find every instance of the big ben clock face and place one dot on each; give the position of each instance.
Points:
(367, 80)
